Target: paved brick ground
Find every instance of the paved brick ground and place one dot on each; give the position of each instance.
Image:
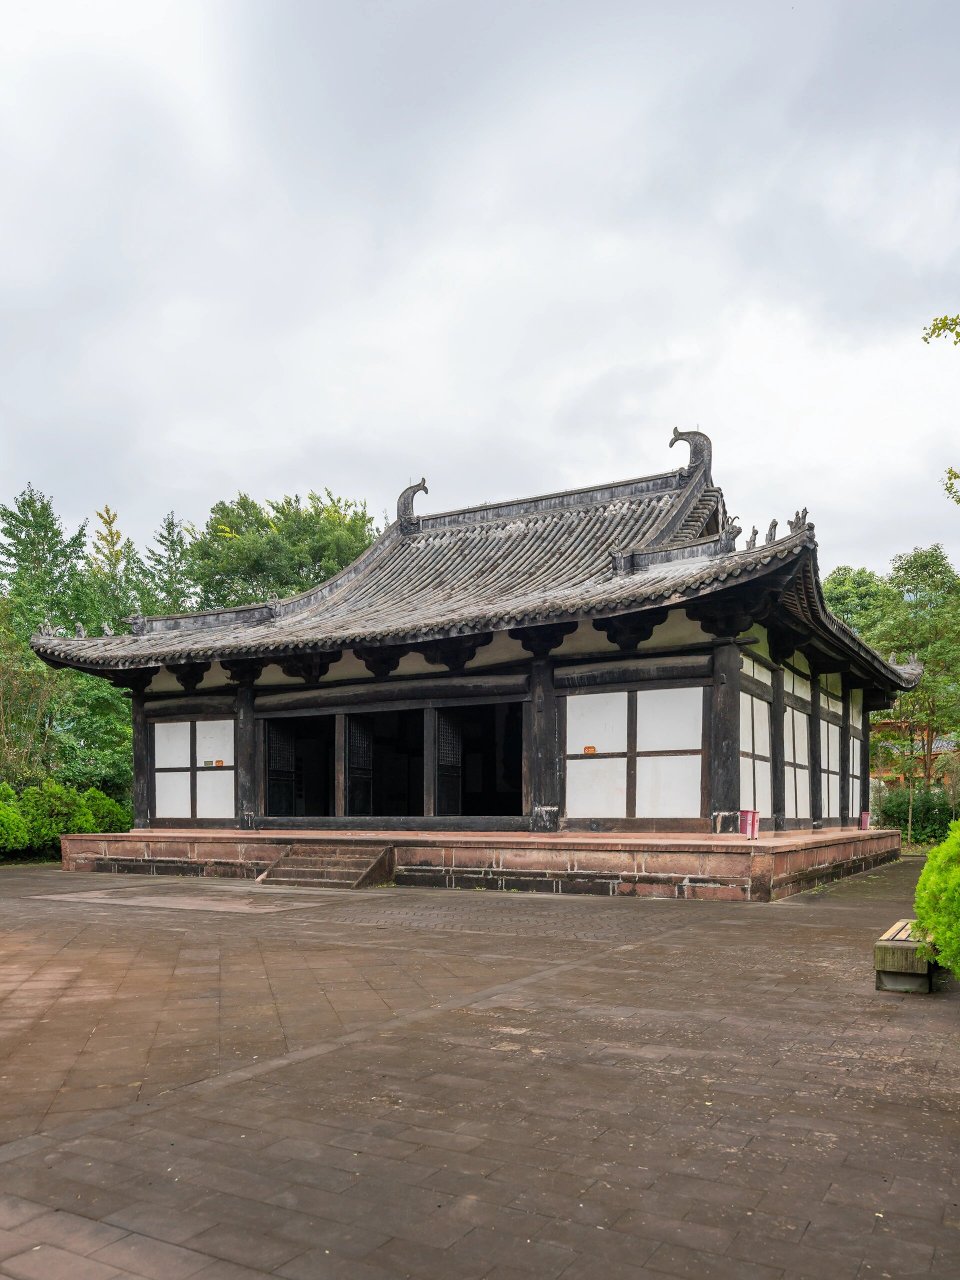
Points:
(207, 1080)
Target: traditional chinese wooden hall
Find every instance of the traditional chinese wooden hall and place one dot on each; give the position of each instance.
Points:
(588, 691)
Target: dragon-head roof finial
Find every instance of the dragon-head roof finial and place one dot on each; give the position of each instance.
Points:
(701, 451)
(405, 517)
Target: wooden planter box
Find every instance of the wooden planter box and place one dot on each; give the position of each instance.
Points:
(898, 961)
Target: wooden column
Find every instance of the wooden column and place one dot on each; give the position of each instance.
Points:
(777, 764)
(864, 764)
(429, 762)
(141, 761)
(816, 777)
(543, 751)
(340, 766)
(247, 788)
(725, 739)
(845, 757)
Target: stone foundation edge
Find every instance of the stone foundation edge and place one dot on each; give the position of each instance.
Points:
(707, 869)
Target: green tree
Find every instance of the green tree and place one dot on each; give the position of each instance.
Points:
(858, 597)
(248, 551)
(115, 581)
(170, 588)
(29, 692)
(40, 566)
(946, 327)
(924, 619)
(943, 327)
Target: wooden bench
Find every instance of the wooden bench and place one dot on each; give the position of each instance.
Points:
(898, 961)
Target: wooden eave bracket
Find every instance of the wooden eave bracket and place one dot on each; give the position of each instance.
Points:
(310, 667)
(243, 671)
(454, 652)
(381, 660)
(630, 629)
(540, 641)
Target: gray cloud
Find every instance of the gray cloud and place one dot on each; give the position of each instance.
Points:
(282, 246)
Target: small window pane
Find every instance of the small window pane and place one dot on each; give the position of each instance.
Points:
(171, 745)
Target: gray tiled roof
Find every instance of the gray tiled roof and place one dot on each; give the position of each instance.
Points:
(474, 570)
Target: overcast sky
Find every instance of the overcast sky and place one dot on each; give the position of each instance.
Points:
(276, 246)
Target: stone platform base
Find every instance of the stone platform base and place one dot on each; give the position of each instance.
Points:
(725, 867)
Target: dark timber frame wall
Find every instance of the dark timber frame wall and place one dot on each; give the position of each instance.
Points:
(542, 684)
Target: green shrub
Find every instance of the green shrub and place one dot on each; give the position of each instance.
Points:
(13, 830)
(7, 794)
(52, 810)
(107, 814)
(937, 901)
(931, 812)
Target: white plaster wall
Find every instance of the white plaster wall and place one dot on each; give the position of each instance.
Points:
(762, 800)
(597, 788)
(803, 794)
(214, 741)
(668, 786)
(215, 794)
(173, 795)
(596, 720)
(676, 631)
(171, 745)
(670, 720)
(856, 708)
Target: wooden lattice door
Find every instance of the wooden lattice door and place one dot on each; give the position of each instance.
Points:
(281, 770)
(359, 766)
(449, 765)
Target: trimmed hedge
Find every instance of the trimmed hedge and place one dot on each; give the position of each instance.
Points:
(937, 901)
(932, 813)
(14, 836)
(52, 810)
(107, 814)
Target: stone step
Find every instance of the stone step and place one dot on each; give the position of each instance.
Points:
(312, 860)
(334, 865)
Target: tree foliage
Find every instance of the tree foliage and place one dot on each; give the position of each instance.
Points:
(76, 728)
(249, 550)
(937, 901)
(914, 610)
(943, 327)
(946, 327)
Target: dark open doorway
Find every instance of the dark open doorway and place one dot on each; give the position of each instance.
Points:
(480, 760)
(300, 767)
(385, 764)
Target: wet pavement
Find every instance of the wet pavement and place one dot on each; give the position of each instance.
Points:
(203, 1078)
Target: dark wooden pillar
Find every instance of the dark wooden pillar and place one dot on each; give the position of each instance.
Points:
(864, 764)
(845, 758)
(247, 788)
(725, 739)
(543, 750)
(816, 776)
(778, 797)
(340, 766)
(429, 762)
(141, 761)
